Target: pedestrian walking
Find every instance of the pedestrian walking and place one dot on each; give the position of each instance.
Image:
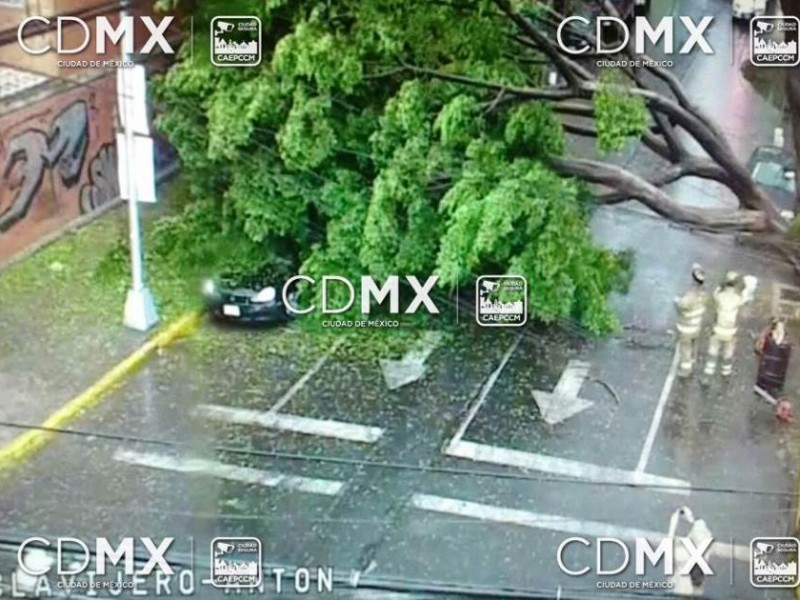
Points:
(728, 299)
(690, 308)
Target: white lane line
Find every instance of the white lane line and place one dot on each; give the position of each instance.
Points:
(326, 487)
(352, 432)
(298, 385)
(565, 467)
(654, 425)
(561, 524)
(487, 387)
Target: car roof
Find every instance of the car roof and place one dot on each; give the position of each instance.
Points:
(774, 154)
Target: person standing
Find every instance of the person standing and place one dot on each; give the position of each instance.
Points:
(774, 351)
(728, 299)
(690, 308)
(690, 584)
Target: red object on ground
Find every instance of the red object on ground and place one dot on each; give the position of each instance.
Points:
(784, 411)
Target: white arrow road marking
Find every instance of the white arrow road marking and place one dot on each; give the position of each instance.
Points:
(512, 516)
(351, 432)
(563, 402)
(568, 468)
(213, 468)
(410, 368)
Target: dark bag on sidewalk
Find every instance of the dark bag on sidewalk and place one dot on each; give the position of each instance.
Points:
(773, 366)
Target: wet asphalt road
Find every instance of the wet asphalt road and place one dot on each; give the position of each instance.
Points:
(359, 506)
(82, 486)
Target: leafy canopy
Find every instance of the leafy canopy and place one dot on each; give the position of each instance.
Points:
(334, 155)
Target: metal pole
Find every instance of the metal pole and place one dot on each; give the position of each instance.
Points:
(140, 310)
(137, 282)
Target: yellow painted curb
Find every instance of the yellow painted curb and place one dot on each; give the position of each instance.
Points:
(35, 439)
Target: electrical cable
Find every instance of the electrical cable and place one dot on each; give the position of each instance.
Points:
(362, 463)
(571, 324)
(117, 3)
(401, 466)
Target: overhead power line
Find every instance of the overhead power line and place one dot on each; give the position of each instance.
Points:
(398, 466)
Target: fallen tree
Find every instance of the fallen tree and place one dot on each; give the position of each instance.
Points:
(424, 136)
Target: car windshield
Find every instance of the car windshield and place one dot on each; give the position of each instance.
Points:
(774, 175)
(399, 299)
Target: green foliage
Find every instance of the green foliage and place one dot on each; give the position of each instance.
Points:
(333, 156)
(522, 219)
(459, 121)
(620, 115)
(307, 137)
(533, 130)
(312, 53)
(794, 229)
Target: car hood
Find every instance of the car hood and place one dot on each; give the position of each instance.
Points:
(243, 285)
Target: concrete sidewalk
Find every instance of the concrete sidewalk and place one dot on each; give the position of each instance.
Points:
(61, 325)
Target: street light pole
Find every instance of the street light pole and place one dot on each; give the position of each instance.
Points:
(140, 309)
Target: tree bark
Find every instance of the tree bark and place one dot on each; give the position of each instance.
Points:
(634, 187)
(668, 114)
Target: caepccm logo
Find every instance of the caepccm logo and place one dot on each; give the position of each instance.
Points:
(692, 556)
(369, 290)
(103, 30)
(773, 562)
(774, 41)
(642, 29)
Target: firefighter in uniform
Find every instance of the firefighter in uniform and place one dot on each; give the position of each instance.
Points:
(690, 308)
(699, 534)
(728, 299)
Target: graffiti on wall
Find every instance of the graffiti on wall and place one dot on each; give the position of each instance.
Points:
(103, 184)
(58, 160)
(32, 153)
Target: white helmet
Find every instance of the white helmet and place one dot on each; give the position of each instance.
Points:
(698, 274)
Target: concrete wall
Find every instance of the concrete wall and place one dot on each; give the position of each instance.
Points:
(57, 161)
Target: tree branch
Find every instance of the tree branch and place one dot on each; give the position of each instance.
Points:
(715, 220)
(581, 130)
(570, 70)
(691, 167)
(522, 92)
(676, 147)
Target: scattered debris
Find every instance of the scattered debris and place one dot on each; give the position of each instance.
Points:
(609, 387)
(784, 411)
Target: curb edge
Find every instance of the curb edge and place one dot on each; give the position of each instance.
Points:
(33, 440)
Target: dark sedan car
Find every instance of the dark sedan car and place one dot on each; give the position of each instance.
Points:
(773, 170)
(246, 300)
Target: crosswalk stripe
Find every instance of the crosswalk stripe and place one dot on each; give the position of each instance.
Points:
(512, 516)
(326, 487)
(566, 467)
(352, 432)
